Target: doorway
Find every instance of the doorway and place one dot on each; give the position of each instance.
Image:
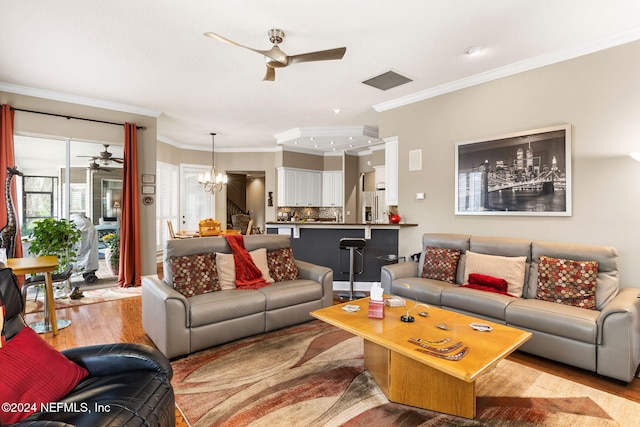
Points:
(246, 195)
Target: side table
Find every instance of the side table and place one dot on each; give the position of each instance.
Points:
(46, 265)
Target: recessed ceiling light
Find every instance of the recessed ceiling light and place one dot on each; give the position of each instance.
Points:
(333, 142)
(311, 138)
(336, 111)
(474, 50)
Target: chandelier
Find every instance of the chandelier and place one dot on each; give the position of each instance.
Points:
(212, 181)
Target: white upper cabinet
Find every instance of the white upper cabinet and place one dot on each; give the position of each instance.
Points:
(299, 187)
(332, 188)
(391, 171)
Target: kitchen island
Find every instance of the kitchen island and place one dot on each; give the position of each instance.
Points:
(318, 242)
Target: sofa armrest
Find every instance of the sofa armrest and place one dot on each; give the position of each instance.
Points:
(626, 302)
(105, 359)
(391, 272)
(166, 317)
(619, 336)
(320, 274)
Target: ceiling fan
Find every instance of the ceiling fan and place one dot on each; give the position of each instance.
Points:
(106, 157)
(94, 166)
(276, 58)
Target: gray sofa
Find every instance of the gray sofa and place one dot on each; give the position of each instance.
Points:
(605, 340)
(179, 325)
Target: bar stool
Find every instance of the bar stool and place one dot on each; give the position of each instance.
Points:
(353, 245)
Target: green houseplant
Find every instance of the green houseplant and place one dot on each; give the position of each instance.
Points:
(112, 255)
(57, 237)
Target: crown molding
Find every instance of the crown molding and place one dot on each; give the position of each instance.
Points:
(512, 69)
(74, 99)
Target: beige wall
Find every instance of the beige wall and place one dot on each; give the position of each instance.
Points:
(597, 94)
(47, 126)
(258, 161)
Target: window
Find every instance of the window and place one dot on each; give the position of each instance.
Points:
(39, 199)
(167, 201)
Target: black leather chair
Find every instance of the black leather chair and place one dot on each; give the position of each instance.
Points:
(133, 379)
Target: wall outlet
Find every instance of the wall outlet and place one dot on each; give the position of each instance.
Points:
(420, 196)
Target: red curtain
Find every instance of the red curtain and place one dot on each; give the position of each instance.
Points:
(130, 265)
(8, 159)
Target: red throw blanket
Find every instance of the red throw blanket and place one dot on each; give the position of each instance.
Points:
(248, 276)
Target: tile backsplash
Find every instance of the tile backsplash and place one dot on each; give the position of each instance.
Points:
(318, 213)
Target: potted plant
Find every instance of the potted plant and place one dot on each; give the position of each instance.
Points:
(55, 237)
(112, 252)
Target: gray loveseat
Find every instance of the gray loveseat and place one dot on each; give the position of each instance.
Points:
(605, 340)
(179, 325)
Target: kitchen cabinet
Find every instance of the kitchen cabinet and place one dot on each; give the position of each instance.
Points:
(299, 187)
(332, 188)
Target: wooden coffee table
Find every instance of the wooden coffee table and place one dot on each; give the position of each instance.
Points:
(408, 376)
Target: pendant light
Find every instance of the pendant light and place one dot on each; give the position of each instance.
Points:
(212, 181)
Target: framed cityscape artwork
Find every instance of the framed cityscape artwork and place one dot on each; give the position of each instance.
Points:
(525, 173)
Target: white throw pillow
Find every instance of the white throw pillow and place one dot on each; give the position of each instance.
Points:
(511, 269)
(226, 271)
(227, 268)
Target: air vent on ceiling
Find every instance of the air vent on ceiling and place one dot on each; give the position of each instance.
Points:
(387, 80)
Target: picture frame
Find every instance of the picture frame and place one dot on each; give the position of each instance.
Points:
(148, 189)
(148, 178)
(525, 173)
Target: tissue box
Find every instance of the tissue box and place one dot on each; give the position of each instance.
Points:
(376, 309)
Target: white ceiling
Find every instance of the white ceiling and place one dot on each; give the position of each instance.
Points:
(151, 56)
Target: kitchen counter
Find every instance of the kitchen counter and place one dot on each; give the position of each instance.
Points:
(295, 226)
(318, 242)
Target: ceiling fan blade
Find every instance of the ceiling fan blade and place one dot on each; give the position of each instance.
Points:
(321, 55)
(270, 74)
(274, 53)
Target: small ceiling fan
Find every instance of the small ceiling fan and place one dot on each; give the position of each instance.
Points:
(106, 157)
(93, 166)
(276, 58)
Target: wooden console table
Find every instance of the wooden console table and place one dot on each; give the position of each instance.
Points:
(45, 265)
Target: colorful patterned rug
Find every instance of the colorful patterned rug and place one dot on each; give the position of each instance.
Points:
(313, 375)
(92, 296)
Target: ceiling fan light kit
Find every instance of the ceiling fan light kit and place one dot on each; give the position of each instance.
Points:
(276, 58)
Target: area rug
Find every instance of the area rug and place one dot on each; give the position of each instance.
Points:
(90, 297)
(313, 375)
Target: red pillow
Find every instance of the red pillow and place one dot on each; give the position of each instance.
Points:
(33, 372)
(488, 281)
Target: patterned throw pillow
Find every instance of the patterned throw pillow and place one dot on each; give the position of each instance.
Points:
(440, 264)
(567, 281)
(282, 265)
(194, 274)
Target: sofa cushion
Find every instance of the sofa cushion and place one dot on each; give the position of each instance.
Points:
(420, 289)
(282, 266)
(195, 274)
(33, 372)
(478, 302)
(290, 293)
(440, 264)
(217, 307)
(511, 269)
(554, 319)
(608, 281)
(567, 281)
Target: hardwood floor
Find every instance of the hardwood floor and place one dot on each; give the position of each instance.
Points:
(121, 321)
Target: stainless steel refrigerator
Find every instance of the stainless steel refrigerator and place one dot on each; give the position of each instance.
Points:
(373, 206)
